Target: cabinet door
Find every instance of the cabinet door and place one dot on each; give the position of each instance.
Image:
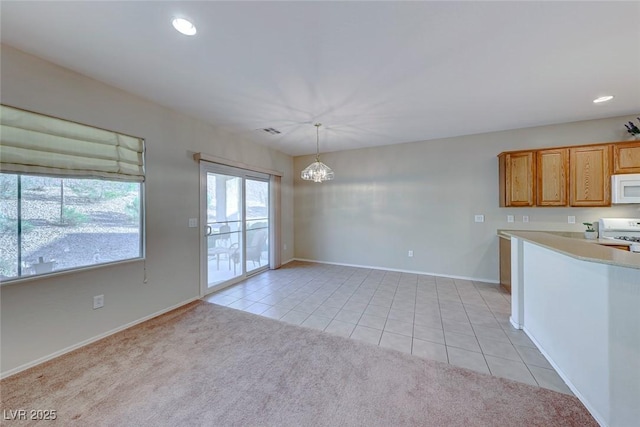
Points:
(590, 178)
(517, 179)
(552, 172)
(626, 157)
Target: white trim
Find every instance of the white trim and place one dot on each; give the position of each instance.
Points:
(400, 270)
(594, 413)
(73, 270)
(202, 157)
(88, 341)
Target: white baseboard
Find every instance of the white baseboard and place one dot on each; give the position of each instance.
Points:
(477, 279)
(36, 362)
(594, 413)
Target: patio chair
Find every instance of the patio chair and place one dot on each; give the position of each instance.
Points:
(256, 246)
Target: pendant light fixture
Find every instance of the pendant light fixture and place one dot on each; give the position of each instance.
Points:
(317, 171)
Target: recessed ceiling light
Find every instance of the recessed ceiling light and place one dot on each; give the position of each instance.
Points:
(184, 26)
(603, 99)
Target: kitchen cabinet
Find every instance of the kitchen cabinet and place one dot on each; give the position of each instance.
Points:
(590, 175)
(517, 179)
(552, 169)
(626, 157)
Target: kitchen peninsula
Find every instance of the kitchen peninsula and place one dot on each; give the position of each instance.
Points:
(580, 304)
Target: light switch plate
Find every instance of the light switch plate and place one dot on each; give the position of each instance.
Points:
(193, 222)
(510, 218)
(571, 219)
(98, 301)
(479, 218)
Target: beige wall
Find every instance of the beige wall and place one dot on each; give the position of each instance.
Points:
(423, 196)
(44, 316)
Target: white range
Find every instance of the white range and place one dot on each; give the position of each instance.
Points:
(624, 230)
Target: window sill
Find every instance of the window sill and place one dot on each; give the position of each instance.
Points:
(31, 278)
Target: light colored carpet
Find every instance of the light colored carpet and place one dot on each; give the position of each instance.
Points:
(209, 365)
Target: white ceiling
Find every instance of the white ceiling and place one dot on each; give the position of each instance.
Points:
(373, 73)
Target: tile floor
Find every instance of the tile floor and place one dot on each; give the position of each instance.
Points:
(461, 322)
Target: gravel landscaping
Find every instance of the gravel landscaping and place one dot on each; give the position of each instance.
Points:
(89, 232)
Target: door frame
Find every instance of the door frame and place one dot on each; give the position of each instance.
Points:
(212, 167)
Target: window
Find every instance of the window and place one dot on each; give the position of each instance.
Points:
(70, 195)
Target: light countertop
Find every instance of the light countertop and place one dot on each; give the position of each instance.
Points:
(576, 246)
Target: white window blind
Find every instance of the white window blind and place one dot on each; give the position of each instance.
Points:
(36, 144)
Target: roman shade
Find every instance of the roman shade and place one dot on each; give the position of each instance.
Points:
(36, 144)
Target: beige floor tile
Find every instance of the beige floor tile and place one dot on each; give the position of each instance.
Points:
(490, 333)
(348, 316)
(275, 312)
(355, 306)
(377, 310)
(396, 342)
(401, 315)
(500, 349)
(316, 322)
(287, 303)
(455, 315)
(484, 321)
(295, 317)
(519, 338)
(326, 311)
(429, 350)
(241, 304)
(548, 378)
(369, 335)
(307, 307)
(426, 333)
(510, 369)
(381, 301)
(466, 342)
(257, 308)
(271, 299)
(532, 356)
(431, 320)
(371, 321)
(221, 299)
(398, 327)
(457, 327)
(467, 359)
(337, 327)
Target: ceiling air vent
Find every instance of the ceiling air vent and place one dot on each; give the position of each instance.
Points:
(271, 131)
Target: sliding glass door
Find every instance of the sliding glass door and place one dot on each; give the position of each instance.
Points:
(257, 224)
(236, 223)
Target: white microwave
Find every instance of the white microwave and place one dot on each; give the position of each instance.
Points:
(625, 188)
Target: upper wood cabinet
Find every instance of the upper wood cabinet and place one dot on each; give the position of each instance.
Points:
(552, 168)
(517, 178)
(590, 176)
(626, 157)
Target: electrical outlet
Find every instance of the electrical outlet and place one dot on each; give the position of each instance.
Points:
(193, 222)
(479, 218)
(571, 219)
(510, 218)
(410, 253)
(525, 218)
(98, 301)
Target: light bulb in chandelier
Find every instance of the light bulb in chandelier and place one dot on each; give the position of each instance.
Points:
(317, 171)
